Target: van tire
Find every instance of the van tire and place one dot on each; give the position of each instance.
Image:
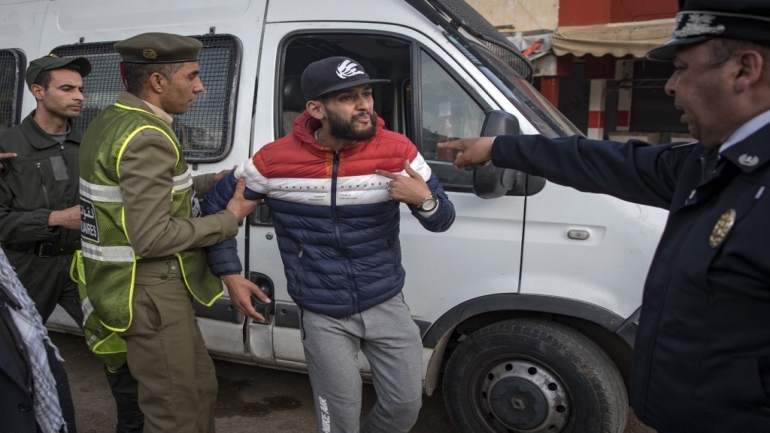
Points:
(533, 376)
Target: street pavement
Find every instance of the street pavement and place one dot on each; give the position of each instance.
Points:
(251, 399)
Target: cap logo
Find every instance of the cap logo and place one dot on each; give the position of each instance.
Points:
(348, 69)
(53, 55)
(696, 24)
(149, 54)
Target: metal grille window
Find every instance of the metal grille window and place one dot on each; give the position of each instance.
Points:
(205, 131)
(12, 63)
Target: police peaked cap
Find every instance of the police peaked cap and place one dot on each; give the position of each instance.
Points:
(701, 20)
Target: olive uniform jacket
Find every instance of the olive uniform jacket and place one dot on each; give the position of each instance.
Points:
(146, 177)
(42, 178)
(702, 351)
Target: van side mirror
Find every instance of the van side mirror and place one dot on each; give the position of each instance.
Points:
(491, 181)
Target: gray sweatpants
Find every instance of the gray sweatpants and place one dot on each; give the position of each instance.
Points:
(391, 342)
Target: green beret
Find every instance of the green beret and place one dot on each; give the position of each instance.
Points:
(159, 48)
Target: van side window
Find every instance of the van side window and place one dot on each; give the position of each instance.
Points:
(12, 63)
(206, 131)
(448, 112)
(422, 101)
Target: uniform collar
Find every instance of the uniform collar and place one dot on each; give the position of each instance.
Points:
(751, 152)
(39, 139)
(745, 130)
(159, 112)
(133, 101)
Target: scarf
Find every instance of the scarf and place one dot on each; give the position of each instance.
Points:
(34, 336)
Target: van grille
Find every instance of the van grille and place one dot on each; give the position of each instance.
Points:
(205, 132)
(12, 63)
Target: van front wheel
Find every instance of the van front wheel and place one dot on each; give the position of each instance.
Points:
(533, 376)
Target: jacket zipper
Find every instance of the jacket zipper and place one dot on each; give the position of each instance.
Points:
(338, 236)
(42, 184)
(67, 166)
(64, 156)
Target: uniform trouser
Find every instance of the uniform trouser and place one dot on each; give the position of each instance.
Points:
(391, 342)
(48, 283)
(167, 355)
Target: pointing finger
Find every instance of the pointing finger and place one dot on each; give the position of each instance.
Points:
(387, 174)
(456, 145)
(410, 171)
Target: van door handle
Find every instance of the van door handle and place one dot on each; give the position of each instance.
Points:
(261, 216)
(265, 284)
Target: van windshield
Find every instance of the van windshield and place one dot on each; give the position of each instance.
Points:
(549, 121)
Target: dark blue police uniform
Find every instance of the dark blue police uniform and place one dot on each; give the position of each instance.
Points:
(702, 355)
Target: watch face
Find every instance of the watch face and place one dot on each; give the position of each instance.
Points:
(428, 205)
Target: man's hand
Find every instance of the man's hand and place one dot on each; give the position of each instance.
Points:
(410, 190)
(238, 205)
(68, 218)
(223, 173)
(6, 155)
(240, 290)
(470, 151)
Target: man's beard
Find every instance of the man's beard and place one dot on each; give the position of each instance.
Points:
(344, 130)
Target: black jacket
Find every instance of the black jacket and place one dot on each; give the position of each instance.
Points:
(16, 412)
(702, 355)
(43, 177)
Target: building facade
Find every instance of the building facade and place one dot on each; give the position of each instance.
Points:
(589, 61)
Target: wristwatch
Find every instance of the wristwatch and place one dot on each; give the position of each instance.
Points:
(428, 204)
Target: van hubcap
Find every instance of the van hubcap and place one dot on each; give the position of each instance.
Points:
(525, 397)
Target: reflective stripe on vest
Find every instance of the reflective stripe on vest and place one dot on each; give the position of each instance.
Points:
(112, 194)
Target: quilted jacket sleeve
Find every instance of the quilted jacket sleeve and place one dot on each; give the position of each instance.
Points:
(223, 258)
(442, 219)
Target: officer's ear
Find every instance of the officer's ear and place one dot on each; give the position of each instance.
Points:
(156, 82)
(751, 65)
(38, 91)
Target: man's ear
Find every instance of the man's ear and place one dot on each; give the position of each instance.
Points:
(751, 65)
(316, 109)
(156, 82)
(37, 91)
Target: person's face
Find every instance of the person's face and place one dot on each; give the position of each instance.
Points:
(181, 89)
(64, 96)
(701, 87)
(350, 114)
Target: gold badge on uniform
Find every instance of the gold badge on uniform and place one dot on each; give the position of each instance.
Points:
(722, 228)
(149, 54)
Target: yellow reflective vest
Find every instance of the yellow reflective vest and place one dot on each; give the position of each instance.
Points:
(109, 261)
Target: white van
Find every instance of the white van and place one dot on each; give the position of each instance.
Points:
(528, 304)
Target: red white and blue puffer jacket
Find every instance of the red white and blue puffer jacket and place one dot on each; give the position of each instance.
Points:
(337, 227)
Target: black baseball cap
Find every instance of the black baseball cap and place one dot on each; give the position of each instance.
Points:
(332, 74)
(51, 62)
(701, 20)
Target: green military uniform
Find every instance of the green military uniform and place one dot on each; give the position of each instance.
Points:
(166, 352)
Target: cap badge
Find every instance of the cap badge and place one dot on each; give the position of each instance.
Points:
(348, 69)
(697, 25)
(748, 160)
(722, 228)
(53, 55)
(149, 54)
